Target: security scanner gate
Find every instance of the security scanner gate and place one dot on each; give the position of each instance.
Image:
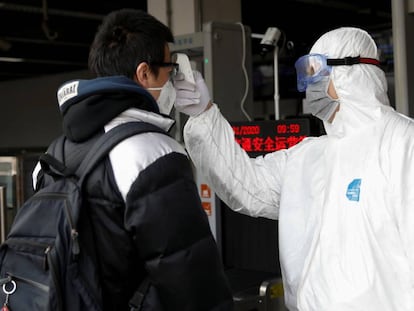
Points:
(248, 245)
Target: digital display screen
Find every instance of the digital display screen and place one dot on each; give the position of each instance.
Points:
(261, 137)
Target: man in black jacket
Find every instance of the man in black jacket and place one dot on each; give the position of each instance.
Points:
(144, 206)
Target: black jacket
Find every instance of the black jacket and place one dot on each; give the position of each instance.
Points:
(151, 224)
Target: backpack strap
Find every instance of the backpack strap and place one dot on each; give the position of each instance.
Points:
(62, 158)
(135, 303)
(52, 166)
(108, 140)
(100, 148)
(98, 151)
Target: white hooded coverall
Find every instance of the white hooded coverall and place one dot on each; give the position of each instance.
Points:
(344, 201)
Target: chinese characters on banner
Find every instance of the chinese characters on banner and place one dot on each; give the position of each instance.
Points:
(261, 137)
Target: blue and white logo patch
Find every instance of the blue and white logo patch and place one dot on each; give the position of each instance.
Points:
(352, 193)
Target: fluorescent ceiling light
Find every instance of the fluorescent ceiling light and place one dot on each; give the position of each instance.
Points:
(11, 59)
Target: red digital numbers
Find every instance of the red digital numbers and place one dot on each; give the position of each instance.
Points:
(292, 128)
(281, 129)
(246, 130)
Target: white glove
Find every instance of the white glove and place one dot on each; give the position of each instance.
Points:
(192, 99)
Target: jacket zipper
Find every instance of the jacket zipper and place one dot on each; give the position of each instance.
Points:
(38, 285)
(40, 249)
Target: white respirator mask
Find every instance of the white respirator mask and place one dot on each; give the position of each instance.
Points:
(167, 97)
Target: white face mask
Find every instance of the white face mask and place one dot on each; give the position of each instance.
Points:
(318, 102)
(167, 97)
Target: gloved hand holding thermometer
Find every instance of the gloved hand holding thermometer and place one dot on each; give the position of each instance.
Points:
(192, 93)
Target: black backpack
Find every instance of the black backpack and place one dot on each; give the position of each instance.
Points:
(43, 264)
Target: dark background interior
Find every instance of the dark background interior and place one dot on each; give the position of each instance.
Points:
(54, 36)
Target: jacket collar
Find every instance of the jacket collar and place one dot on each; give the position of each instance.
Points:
(88, 105)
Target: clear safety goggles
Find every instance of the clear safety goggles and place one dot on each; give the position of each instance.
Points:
(312, 68)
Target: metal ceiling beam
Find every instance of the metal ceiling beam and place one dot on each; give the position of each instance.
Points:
(40, 41)
(342, 5)
(40, 61)
(57, 12)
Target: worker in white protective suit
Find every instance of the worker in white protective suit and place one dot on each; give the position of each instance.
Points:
(345, 200)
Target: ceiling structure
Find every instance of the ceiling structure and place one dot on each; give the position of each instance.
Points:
(303, 21)
(38, 37)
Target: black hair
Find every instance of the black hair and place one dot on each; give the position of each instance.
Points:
(126, 38)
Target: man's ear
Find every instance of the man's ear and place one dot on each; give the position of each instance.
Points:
(142, 74)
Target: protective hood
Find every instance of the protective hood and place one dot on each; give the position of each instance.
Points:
(361, 88)
(88, 105)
